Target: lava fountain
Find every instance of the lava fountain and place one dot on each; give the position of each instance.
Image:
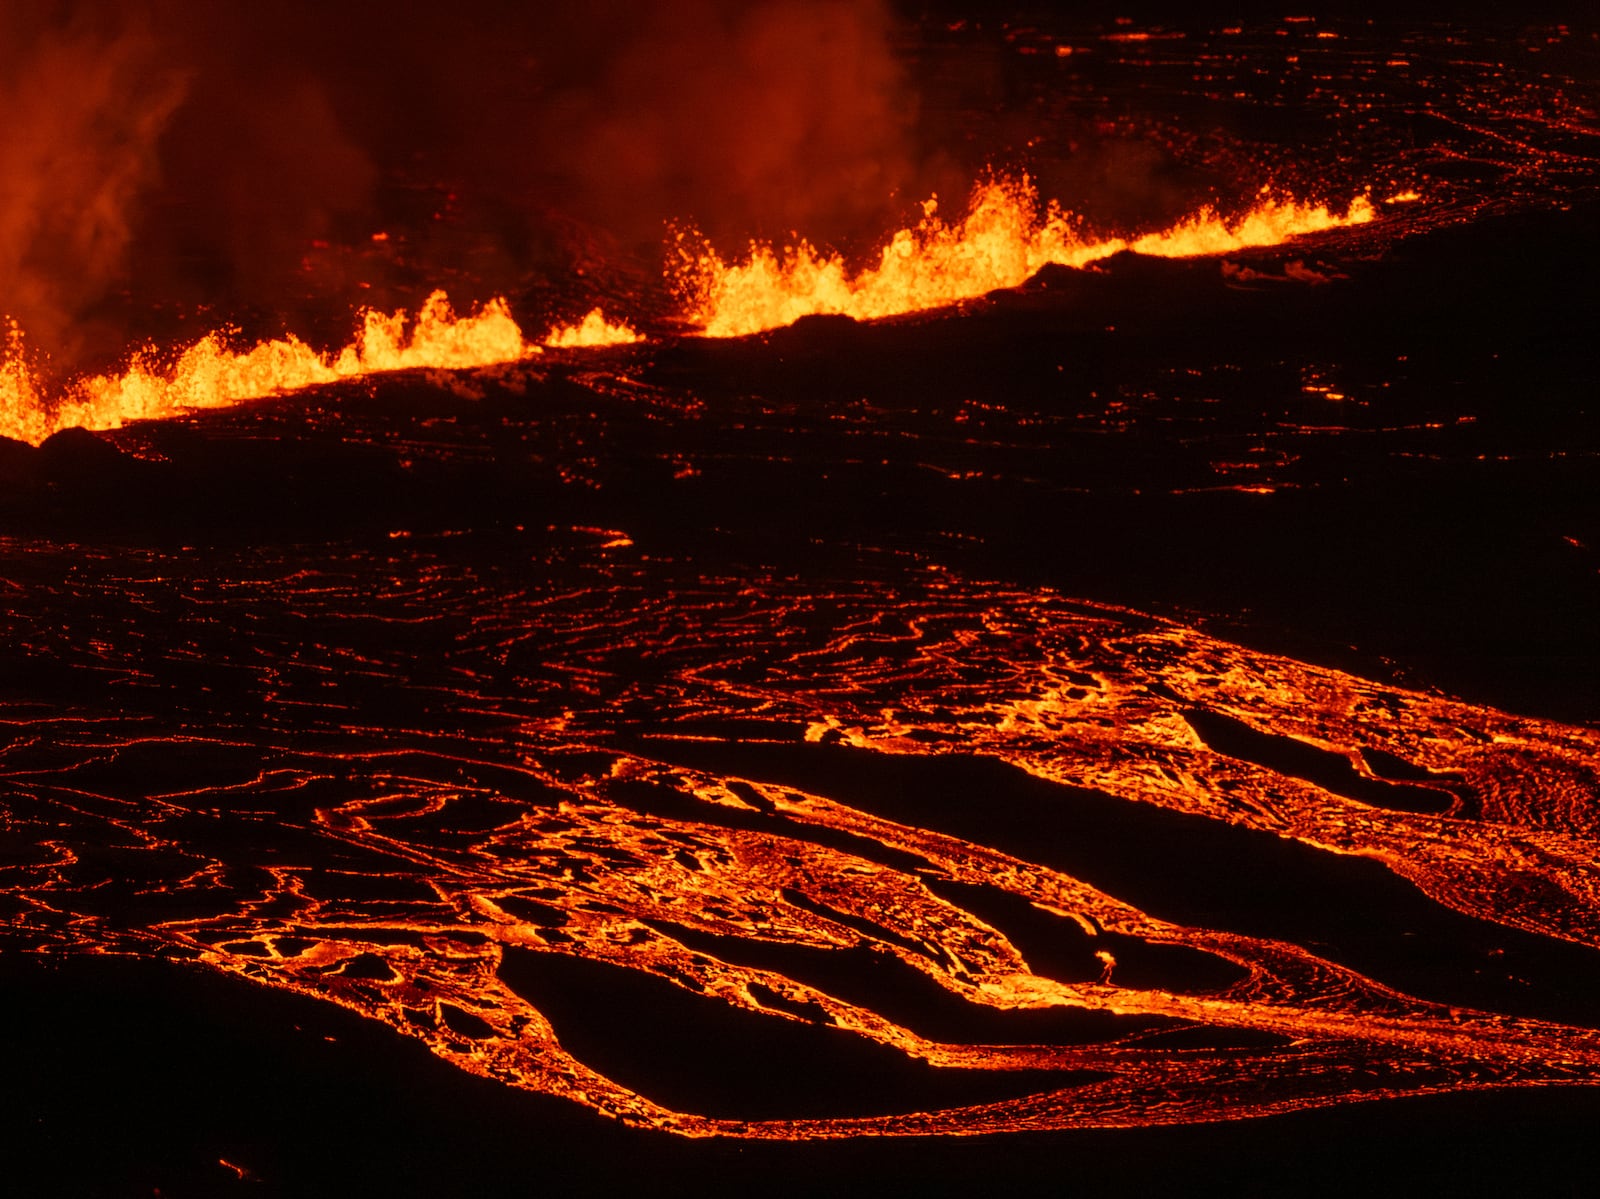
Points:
(1002, 239)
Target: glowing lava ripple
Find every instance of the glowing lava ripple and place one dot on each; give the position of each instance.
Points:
(1046, 863)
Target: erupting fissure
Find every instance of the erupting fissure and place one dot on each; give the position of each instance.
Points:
(1004, 238)
(1000, 242)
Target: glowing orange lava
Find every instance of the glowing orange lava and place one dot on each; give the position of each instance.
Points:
(211, 374)
(1000, 242)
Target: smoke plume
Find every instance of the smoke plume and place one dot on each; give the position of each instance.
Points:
(83, 103)
(168, 165)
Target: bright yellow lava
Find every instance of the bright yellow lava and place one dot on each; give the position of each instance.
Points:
(593, 330)
(1000, 242)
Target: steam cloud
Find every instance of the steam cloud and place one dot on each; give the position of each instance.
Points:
(163, 160)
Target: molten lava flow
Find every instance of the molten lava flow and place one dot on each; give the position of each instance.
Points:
(993, 835)
(210, 374)
(593, 330)
(1000, 242)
